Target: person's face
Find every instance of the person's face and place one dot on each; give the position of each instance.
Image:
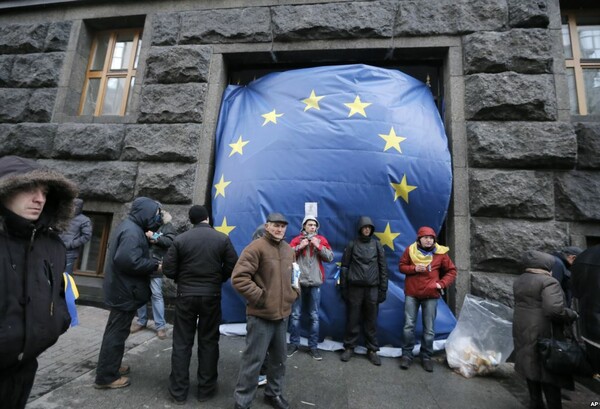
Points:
(365, 231)
(28, 203)
(276, 229)
(310, 226)
(426, 241)
(571, 258)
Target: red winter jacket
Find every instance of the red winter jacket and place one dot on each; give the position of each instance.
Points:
(422, 285)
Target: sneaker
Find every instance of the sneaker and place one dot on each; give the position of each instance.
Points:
(405, 362)
(291, 349)
(161, 334)
(122, 382)
(124, 370)
(314, 352)
(427, 365)
(374, 358)
(262, 380)
(135, 327)
(347, 354)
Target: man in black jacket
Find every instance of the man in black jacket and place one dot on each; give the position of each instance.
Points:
(200, 261)
(364, 284)
(126, 287)
(34, 202)
(78, 233)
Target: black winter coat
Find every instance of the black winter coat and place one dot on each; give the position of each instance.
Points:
(199, 261)
(127, 277)
(363, 262)
(33, 312)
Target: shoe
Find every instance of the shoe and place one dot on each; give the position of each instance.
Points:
(405, 362)
(374, 358)
(135, 327)
(161, 334)
(262, 380)
(203, 397)
(427, 365)
(122, 382)
(346, 355)
(314, 352)
(124, 370)
(177, 401)
(291, 350)
(277, 402)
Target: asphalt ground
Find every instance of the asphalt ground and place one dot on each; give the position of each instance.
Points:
(66, 374)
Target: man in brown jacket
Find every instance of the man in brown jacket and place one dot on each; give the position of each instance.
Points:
(263, 276)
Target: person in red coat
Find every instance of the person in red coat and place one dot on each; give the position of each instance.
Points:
(429, 271)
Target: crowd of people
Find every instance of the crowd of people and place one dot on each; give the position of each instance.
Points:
(279, 281)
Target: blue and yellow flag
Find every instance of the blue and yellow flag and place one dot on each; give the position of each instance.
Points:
(354, 139)
(71, 294)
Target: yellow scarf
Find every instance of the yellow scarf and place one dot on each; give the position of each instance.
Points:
(419, 258)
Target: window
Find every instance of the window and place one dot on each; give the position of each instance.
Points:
(111, 72)
(91, 257)
(581, 45)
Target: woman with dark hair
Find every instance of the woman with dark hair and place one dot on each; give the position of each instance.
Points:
(539, 312)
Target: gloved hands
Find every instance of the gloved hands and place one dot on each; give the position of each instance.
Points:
(572, 314)
(381, 296)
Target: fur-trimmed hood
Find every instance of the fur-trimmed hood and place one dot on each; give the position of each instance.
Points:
(17, 173)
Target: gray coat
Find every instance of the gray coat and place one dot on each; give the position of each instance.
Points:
(539, 304)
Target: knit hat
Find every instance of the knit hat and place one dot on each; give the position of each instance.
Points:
(198, 214)
(310, 217)
(426, 231)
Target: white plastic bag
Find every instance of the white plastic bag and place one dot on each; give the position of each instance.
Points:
(482, 338)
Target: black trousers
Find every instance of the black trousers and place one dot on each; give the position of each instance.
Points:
(16, 384)
(361, 312)
(199, 315)
(551, 392)
(113, 346)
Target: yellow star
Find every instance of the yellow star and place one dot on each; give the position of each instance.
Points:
(221, 186)
(271, 117)
(312, 101)
(224, 228)
(387, 237)
(402, 189)
(238, 146)
(392, 141)
(357, 107)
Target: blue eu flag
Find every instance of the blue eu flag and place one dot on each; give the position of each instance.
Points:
(354, 140)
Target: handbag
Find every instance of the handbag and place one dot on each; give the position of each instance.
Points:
(562, 356)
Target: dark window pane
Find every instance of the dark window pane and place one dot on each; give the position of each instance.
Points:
(91, 96)
(100, 54)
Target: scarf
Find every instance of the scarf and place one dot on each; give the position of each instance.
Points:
(420, 256)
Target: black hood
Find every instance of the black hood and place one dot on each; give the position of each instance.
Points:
(365, 221)
(143, 212)
(17, 173)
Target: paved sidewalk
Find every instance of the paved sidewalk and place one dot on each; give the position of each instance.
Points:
(66, 376)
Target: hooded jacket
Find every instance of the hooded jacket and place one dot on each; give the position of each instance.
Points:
(127, 276)
(539, 312)
(167, 234)
(440, 268)
(78, 233)
(33, 312)
(310, 259)
(363, 262)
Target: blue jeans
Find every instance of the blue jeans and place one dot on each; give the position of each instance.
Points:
(428, 313)
(158, 305)
(310, 298)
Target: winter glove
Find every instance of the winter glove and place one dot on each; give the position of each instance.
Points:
(572, 314)
(381, 296)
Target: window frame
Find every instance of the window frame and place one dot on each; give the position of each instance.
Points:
(577, 63)
(106, 73)
(102, 248)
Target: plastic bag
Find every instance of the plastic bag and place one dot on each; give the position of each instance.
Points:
(482, 338)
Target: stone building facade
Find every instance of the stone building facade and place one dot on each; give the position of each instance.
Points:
(526, 171)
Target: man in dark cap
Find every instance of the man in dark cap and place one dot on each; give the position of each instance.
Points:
(126, 287)
(263, 276)
(561, 270)
(35, 203)
(200, 261)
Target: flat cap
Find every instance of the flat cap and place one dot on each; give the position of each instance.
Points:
(276, 218)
